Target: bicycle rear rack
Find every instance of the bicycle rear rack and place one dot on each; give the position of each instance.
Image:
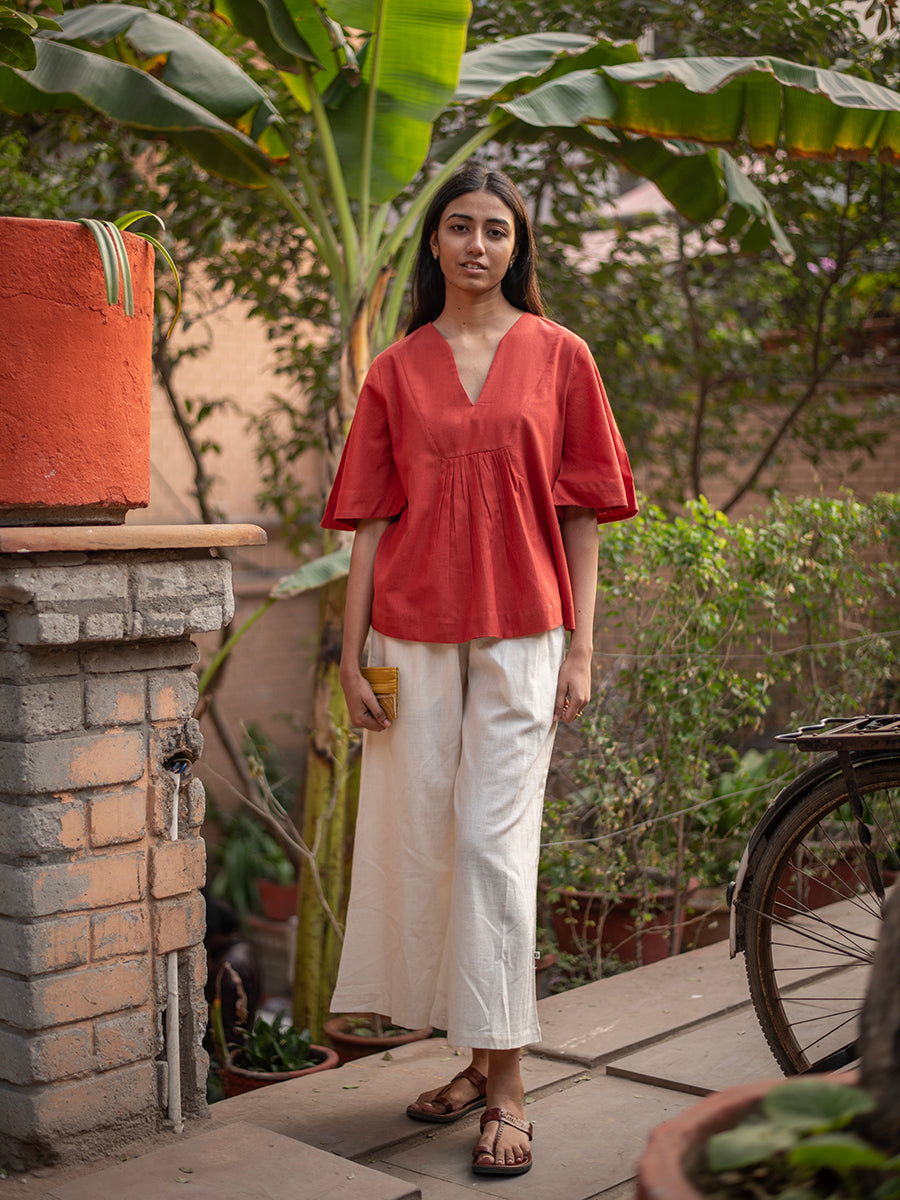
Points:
(844, 736)
(847, 733)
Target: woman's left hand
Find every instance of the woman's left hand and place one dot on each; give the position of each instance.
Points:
(573, 690)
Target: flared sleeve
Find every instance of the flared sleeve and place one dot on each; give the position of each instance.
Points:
(594, 469)
(368, 483)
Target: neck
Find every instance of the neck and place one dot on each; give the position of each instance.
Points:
(480, 314)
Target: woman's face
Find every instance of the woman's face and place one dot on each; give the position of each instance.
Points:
(475, 241)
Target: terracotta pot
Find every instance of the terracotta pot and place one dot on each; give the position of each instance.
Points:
(351, 1046)
(238, 1080)
(675, 1148)
(74, 380)
(578, 916)
(279, 900)
(706, 918)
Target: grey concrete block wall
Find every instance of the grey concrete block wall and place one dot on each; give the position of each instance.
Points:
(96, 694)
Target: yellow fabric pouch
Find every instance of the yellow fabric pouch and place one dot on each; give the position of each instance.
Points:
(385, 683)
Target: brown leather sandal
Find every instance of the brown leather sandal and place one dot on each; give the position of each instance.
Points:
(450, 1113)
(502, 1117)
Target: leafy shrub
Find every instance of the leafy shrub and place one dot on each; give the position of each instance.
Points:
(714, 634)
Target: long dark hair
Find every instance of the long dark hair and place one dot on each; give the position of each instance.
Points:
(520, 284)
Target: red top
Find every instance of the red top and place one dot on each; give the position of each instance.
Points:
(474, 548)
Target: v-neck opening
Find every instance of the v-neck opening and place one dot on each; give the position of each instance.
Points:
(474, 403)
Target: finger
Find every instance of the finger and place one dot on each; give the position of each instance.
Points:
(374, 710)
(574, 709)
(362, 717)
(378, 719)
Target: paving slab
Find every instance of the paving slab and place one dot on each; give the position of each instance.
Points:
(733, 1049)
(360, 1108)
(714, 1056)
(623, 1191)
(441, 1189)
(241, 1162)
(592, 1025)
(587, 1141)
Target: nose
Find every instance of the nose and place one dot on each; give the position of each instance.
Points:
(476, 242)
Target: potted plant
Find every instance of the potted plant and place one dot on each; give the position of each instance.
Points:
(80, 363)
(603, 894)
(247, 859)
(360, 1034)
(272, 1052)
(803, 1138)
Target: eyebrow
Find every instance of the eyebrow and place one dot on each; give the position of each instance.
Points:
(490, 220)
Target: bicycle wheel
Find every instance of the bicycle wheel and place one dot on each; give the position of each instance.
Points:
(813, 916)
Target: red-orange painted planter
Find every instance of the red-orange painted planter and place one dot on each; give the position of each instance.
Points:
(75, 378)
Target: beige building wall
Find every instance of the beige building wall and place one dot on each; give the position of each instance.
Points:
(267, 682)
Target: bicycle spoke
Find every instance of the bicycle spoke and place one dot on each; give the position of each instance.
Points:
(811, 912)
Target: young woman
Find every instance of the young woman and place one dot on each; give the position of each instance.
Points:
(481, 457)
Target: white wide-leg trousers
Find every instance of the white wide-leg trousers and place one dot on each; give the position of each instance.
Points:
(441, 920)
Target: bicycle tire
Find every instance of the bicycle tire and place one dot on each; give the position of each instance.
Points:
(812, 916)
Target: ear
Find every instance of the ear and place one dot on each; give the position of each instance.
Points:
(433, 243)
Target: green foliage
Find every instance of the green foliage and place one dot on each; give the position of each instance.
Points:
(799, 1143)
(275, 1046)
(751, 363)
(711, 632)
(372, 1026)
(17, 30)
(65, 166)
(724, 367)
(687, 334)
(114, 257)
(247, 852)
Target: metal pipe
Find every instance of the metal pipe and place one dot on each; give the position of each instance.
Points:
(179, 766)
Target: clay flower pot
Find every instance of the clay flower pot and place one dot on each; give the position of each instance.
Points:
(279, 900)
(238, 1080)
(74, 380)
(580, 918)
(676, 1147)
(351, 1046)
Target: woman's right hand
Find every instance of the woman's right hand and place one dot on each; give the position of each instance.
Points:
(362, 704)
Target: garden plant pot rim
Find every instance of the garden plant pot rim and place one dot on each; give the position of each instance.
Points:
(335, 1026)
(671, 1146)
(329, 1060)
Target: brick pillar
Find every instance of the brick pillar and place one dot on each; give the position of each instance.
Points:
(96, 696)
